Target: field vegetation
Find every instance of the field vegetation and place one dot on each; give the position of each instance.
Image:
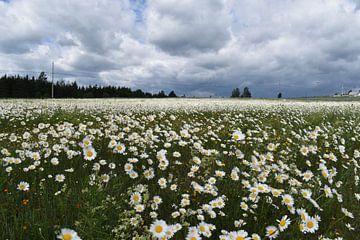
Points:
(179, 169)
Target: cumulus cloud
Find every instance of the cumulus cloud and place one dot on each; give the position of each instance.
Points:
(203, 47)
(188, 27)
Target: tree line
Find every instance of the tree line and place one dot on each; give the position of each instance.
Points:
(31, 87)
(236, 93)
(246, 93)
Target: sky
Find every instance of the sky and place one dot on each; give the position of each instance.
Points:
(196, 47)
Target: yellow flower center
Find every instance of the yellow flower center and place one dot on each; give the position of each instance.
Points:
(271, 232)
(301, 227)
(202, 229)
(193, 238)
(236, 137)
(239, 238)
(136, 198)
(158, 229)
(67, 236)
(310, 224)
(89, 153)
(282, 222)
(287, 200)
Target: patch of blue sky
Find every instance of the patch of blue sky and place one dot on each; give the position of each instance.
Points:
(47, 40)
(138, 6)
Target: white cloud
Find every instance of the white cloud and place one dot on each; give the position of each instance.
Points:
(204, 47)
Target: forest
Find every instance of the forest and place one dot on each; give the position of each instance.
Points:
(16, 86)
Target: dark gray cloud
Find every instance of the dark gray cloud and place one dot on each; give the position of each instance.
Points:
(188, 27)
(203, 47)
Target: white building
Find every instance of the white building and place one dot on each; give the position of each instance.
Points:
(354, 92)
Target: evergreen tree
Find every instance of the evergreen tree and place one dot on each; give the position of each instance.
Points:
(246, 93)
(279, 95)
(235, 93)
(42, 77)
(161, 94)
(172, 94)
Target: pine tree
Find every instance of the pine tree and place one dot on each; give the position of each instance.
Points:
(235, 93)
(172, 94)
(246, 93)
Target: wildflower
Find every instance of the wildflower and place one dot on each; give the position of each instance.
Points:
(357, 196)
(153, 214)
(306, 193)
(158, 229)
(162, 182)
(311, 225)
(239, 235)
(204, 228)
(238, 136)
(347, 213)
(304, 150)
(128, 167)
(303, 214)
(68, 234)
(87, 141)
(255, 236)
(54, 161)
(284, 222)
(351, 228)
(173, 187)
(328, 191)
(271, 232)
(135, 198)
(308, 175)
(184, 133)
(134, 221)
(60, 177)
(105, 178)
(89, 153)
(25, 201)
(157, 199)
(176, 154)
(139, 208)
(288, 200)
(23, 186)
(244, 206)
(120, 148)
(193, 235)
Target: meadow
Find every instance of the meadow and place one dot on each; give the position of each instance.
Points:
(179, 169)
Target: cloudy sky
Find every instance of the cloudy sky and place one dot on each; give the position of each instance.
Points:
(197, 47)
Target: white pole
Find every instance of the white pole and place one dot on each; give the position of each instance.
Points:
(52, 80)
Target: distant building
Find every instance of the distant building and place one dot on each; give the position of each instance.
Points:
(354, 92)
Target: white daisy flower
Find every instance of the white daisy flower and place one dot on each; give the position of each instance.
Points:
(158, 229)
(23, 186)
(68, 234)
